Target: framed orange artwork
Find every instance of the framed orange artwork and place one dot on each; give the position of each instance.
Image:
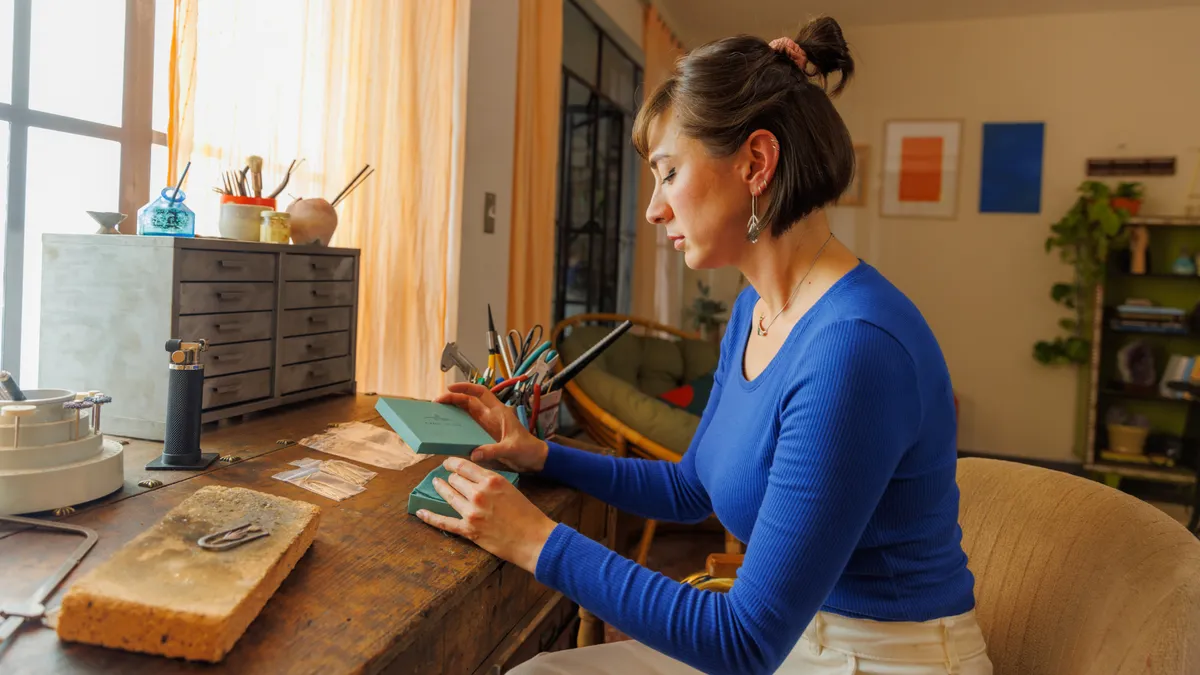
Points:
(856, 192)
(920, 168)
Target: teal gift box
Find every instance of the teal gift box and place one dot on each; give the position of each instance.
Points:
(433, 428)
(425, 497)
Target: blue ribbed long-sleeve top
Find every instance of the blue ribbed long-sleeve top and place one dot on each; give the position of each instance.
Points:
(836, 466)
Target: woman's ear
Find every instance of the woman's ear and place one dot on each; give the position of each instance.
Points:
(762, 156)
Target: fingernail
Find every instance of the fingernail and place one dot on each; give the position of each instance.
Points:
(421, 513)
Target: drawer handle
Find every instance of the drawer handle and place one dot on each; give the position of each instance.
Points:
(224, 327)
(232, 294)
(231, 264)
(315, 348)
(225, 389)
(231, 358)
(321, 294)
(318, 319)
(323, 268)
(316, 372)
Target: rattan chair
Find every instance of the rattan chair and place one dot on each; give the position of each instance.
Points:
(608, 431)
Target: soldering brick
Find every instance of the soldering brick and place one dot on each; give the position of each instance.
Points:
(163, 594)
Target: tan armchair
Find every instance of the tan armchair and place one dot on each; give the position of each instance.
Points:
(1071, 577)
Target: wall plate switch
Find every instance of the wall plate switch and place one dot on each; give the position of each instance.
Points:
(489, 212)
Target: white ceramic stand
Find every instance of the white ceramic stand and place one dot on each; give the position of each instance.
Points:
(53, 466)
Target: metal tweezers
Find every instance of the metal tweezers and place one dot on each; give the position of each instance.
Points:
(12, 616)
(232, 537)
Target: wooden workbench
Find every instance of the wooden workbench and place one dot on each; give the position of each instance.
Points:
(379, 591)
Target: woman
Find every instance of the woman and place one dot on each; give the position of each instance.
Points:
(827, 444)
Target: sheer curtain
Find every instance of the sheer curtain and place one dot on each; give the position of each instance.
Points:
(657, 267)
(341, 84)
(535, 164)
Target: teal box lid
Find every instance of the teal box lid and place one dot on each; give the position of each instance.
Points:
(425, 497)
(433, 428)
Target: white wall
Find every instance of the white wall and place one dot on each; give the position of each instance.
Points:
(1105, 85)
(488, 165)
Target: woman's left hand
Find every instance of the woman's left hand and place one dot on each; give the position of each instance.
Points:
(495, 515)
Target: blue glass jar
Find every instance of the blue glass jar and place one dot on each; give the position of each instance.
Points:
(167, 216)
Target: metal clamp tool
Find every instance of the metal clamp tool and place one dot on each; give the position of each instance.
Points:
(13, 615)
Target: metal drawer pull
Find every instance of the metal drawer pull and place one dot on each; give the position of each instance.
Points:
(316, 372)
(318, 319)
(224, 327)
(315, 348)
(233, 294)
(320, 294)
(228, 389)
(231, 264)
(323, 268)
(235, 357)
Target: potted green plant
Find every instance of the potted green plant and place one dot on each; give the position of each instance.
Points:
(707, 313)
(1083, 237)
(1128, 196)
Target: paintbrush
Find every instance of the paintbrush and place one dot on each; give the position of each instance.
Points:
(175, 195)
(286, 177)
(254, 162)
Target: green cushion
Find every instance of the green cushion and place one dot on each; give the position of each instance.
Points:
(629, 376)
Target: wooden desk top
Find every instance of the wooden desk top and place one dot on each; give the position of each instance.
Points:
(378, 589)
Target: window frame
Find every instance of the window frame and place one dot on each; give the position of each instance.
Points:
(135, 136)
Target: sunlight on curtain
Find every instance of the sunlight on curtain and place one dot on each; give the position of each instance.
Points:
(341, 84)
(657, 267)
(535, 163)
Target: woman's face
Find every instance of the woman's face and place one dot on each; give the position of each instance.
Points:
(702, 201)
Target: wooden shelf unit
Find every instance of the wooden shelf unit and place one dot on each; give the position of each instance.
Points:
(1170, 417)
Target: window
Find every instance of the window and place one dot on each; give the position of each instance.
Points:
(596, 187)
(75, 136)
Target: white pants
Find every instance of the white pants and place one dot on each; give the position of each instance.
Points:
(831, 644)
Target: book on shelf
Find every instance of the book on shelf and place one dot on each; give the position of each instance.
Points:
(1180, 378)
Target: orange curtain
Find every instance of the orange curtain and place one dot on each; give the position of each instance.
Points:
(341, 84)
(535, 164)
(657, 267)
(181, 81)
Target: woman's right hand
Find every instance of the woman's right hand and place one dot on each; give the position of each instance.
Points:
(515, 447)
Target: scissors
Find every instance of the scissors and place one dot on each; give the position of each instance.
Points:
(526, 343)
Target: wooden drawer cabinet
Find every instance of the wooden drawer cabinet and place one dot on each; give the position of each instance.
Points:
(280, 322)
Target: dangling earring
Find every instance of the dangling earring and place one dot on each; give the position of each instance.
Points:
(753, 228)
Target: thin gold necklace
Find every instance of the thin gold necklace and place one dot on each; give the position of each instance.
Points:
(762, 330)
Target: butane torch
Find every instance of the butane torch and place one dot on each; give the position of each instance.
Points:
(185, 397)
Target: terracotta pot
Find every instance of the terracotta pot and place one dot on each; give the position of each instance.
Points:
(1130, 205)
(313, 221)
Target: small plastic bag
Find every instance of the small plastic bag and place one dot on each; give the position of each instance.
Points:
(334, 479)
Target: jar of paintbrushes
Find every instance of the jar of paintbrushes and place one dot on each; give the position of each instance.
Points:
(241, 217)
(243, 203)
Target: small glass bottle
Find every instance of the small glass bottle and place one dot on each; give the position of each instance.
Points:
(167, 216)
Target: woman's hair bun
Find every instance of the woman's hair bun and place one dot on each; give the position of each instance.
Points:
(826, 49)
